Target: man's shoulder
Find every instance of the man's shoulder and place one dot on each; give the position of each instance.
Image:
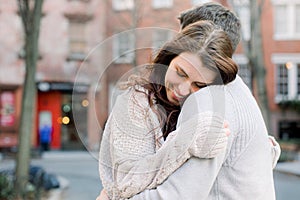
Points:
(237, 82)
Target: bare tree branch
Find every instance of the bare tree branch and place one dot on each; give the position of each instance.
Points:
(36, 15)
(260, 7)
(23, 9)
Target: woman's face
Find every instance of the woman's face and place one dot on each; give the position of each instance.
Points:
(185, 75)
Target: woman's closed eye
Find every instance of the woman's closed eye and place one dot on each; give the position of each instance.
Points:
(200, 85)
(181, 73)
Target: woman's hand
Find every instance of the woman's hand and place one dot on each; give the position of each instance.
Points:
(226, 128)
(103, 196)
(209, 134)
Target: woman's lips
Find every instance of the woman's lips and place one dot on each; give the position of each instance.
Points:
(176, 96)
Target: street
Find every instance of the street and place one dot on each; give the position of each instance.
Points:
(81, 171)
(287, 186)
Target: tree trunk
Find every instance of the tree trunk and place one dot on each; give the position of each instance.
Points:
(253, 49)
(257, 60)
(31, 24)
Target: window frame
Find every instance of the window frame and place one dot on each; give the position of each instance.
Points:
(128, 55)
(77, 37)
(242, 59)
(13, 127)
(160, 4)
(122, 5)
(198, 2)
(293, 60)
(156, 42)
(290, 32)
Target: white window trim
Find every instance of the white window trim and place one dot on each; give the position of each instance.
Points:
(242, 59)
(282, 58)
(169, 34)
(129, 55)
(243, 12)
(278, 58)
(198, 2)
(157, 4)
(290, 34)
(120, 5)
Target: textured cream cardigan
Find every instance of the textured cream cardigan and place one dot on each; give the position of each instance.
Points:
(132, 158)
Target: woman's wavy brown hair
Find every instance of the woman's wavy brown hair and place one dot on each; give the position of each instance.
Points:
(214, 49)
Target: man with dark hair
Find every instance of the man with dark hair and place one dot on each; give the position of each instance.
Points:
(220, 15)
(245, 170)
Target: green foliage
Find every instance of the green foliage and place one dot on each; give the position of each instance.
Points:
(290, 104)
(6, 188)
(289, 149)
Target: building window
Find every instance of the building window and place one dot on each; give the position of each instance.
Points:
(197, 2)
(287, 77)
(245, 73)
(280, 19)
(286, 19)
(244, 69)
(7, 109)
(77, 39)
(244, 14)
(81, 0)
(123, 47)
(298, 19)
(282, 80)
(160, 36)
(162, 4)
(119, 5)
(289, 129)
(243, 11)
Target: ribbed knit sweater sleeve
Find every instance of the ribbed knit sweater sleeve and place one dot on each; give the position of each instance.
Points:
(136, 165)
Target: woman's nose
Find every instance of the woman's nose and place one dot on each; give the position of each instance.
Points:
(184, 88)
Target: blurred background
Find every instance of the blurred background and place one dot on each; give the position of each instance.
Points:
(83, 49)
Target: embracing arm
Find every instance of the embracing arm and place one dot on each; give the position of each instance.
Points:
(193, 180)
(276, 150)
(202, 135)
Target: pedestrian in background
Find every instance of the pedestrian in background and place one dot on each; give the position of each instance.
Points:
(45, 133)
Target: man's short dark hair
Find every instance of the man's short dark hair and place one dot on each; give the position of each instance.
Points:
(220, 15)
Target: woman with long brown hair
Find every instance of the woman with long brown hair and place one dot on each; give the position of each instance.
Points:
(244, 171)
(133, 154)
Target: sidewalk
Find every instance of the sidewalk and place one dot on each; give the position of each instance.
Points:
(292, 168)
(66, 155)
(52, 156)
(58, 194)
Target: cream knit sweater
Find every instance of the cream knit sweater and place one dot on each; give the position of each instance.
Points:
(133, 156)
(244, 172)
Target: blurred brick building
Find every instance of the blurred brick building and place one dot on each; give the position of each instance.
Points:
(66, 75)
(87, 46)
(281, 47)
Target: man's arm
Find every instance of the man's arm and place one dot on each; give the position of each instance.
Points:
(193, 180)
(202, 136)
(276, 150)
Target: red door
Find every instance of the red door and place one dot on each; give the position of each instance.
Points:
(50, 102)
